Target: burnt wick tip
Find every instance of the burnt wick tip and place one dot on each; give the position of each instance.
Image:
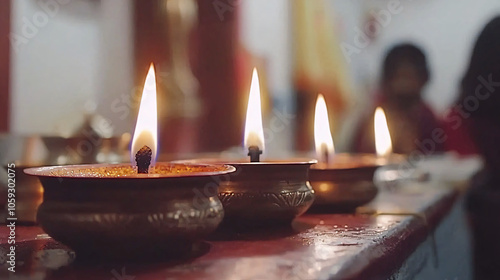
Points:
(254, 152)
(326, 154)
(143, 159)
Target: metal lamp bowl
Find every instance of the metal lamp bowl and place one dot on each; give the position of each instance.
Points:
(96, 212)
(267, 193)
(347, 182)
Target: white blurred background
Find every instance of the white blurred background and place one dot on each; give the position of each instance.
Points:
(85, 50)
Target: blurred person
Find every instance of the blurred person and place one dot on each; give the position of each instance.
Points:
(479, 109)
(411, 121)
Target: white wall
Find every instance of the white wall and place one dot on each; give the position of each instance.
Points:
(116, 69)
(265, 31)
(61, 61)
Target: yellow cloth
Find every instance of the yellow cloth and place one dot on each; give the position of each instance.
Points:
(319, 66)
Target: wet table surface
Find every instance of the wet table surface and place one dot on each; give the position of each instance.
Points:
(371, 244)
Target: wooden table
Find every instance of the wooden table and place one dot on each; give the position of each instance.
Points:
(417, 233)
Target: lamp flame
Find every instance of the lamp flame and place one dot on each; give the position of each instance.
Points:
(322, 135)
(383, 144)
(146, 128)
(254, 132)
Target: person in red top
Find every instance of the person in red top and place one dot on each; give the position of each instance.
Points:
(457, 126)
(410, 120)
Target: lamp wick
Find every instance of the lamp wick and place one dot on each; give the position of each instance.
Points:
(325, 153)
(254, 152)
(143, 159)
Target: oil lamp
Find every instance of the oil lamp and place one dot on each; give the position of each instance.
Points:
(131, 210)
(262, 192)
(343, 182)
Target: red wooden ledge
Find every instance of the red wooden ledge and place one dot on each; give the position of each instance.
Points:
(326, 246)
